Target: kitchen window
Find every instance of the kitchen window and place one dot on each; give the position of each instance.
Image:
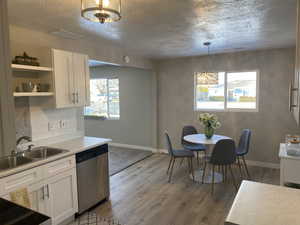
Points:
(105, 101)
(226, 91)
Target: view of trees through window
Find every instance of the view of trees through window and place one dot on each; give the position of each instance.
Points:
(222, 90)
(104, 98)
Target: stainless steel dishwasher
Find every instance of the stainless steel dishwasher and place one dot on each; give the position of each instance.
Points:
(92, 177)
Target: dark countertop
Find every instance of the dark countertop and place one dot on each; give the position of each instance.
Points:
(13, 214)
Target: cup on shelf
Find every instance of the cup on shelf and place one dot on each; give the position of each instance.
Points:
(27, 87)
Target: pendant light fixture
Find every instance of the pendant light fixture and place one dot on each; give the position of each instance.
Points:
(101, 11)
(208, 77)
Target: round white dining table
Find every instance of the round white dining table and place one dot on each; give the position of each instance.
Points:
(202, 139)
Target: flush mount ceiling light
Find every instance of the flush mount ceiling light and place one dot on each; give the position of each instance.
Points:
(101, 10)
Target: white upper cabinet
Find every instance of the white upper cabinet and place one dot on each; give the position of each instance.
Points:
(63, 78)
(81, 79)
(71, 79)
(294, 87)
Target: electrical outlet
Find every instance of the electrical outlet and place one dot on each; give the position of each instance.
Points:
(64, 124)
(53, 125)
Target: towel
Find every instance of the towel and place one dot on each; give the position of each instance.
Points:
(20, 197)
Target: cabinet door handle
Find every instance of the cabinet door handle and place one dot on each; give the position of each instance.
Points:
(43, 193)
(73, 98)
(48, 196)
(291, 99)
(77, 97)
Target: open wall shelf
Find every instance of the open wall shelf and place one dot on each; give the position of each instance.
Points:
(32, 94)
(17, 67)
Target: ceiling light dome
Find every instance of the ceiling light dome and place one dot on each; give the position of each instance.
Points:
(101, 10)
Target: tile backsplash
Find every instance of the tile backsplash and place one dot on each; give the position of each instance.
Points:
(23, 127)
(43, 123)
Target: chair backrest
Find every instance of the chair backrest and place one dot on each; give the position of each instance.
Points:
(169, 144)
(187, 130)
(223, 152)
(244, 141)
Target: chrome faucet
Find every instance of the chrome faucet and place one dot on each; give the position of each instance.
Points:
(19, 140)
(23, 138)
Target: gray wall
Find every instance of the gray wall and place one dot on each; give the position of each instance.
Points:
(269, 125)
(136, 125)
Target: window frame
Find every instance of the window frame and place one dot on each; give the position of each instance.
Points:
(225, 109)
(109, 117)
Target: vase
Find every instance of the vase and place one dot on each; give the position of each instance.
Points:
(209, 132)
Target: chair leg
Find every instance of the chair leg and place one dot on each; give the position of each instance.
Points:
(198, 159)
(170, 175)
(240, 166)
(188, 165)
(204, 158)
(213, 179)
(233, 179)
(225, 173)
(171, 159)
(246, 167)
(192, 169)
(203, 175)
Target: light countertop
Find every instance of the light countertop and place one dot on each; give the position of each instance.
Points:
(80, 144)
(264, 204)
(73, 146)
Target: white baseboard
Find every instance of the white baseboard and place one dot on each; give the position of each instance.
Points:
(163, 151)
(249, 162)
(137, 147)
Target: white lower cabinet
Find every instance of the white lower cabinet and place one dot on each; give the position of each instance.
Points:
(38, 199)
(54, 195)
(62, 190)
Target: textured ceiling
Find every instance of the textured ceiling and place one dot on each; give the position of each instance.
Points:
(171, 28)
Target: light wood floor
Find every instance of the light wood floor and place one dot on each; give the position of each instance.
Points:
(141, 195)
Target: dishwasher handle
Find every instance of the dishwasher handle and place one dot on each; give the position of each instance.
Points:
(91, 153)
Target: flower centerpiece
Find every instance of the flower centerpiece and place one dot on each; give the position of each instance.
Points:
(210, 123)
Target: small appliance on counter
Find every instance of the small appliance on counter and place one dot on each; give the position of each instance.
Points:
(292, 143)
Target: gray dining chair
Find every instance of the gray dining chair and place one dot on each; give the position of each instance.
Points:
(223, 156)
(189, 130)
(243, 149)
(175, 154)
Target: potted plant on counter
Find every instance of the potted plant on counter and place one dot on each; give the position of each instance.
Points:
(210, 123)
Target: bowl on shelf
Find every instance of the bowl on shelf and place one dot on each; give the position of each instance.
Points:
(44, 87)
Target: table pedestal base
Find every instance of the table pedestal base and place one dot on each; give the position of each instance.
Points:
(208, 176)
